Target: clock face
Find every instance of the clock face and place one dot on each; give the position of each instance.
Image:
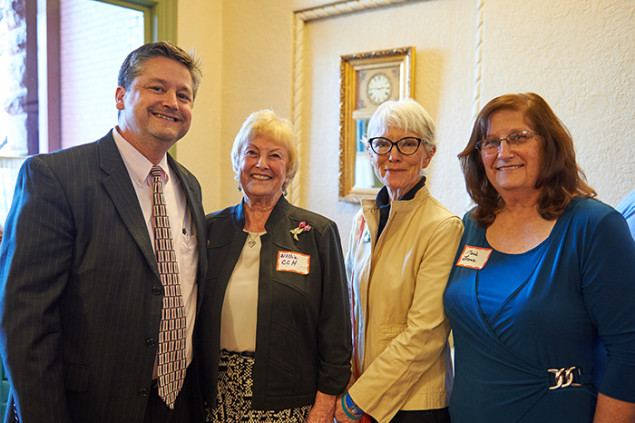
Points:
(379, 88)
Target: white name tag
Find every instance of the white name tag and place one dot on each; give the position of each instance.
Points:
(290, 261)
(474, 257)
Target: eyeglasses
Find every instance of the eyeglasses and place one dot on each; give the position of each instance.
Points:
(514, 140)
(406, 146)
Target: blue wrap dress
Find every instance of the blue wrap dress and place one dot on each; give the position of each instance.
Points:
(538, 334)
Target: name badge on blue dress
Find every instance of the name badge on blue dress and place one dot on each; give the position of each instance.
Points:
(474, 257)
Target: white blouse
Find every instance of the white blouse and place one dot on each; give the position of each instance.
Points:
(240, 306)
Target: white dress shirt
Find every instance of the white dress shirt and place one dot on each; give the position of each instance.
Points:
(183, 231)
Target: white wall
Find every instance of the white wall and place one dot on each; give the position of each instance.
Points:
(245, 46)
(443, 35)
(578, 54)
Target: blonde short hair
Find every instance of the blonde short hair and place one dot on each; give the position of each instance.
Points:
(265, 123)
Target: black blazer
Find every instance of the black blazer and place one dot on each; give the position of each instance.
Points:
(81, 295)
(303, 334)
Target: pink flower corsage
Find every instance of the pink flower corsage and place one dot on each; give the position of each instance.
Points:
(302, 227)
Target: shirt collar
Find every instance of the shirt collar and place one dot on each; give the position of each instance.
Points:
(137, 164)
(383, 199)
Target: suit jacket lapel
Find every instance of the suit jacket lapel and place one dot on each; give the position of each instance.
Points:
(119, 187)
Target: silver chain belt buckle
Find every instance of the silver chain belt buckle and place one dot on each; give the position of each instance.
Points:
(563, 378)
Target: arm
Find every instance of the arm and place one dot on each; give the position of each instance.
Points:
(334, 326)
(323, 408)
(608, 266)
(611, 410)
(339, 414)
(382, 389)
(36, 257)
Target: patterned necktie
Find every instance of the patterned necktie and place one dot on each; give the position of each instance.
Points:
(171, 355)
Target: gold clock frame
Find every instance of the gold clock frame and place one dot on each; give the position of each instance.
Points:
(400, 63)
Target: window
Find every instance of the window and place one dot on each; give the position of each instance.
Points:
(58, 66)
(60, 59)
(95, 38)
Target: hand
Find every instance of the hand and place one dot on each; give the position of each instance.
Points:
(340, 415)
(351, 381)
(322, 410)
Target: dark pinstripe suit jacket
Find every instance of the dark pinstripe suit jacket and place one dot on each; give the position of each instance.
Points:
(80, 296)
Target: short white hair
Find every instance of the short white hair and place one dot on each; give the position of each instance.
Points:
(405, 114)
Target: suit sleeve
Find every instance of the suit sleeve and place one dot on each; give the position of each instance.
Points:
(384, 384)
(36, 256)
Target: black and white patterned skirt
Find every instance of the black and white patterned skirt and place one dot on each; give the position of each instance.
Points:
(235, 383)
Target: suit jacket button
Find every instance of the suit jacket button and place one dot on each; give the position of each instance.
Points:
(150, 343)
(157, 290)
(143, 392)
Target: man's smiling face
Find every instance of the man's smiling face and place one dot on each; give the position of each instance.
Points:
(157, 107)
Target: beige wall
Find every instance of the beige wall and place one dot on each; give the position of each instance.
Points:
(578, 54)
(200, 29)
(246, 48)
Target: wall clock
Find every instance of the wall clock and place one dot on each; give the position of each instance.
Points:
(379, 88)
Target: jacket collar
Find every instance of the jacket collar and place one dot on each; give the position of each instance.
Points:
(370, 204)
(278, 212)
(383, 198)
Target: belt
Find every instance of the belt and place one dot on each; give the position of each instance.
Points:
(565, 377)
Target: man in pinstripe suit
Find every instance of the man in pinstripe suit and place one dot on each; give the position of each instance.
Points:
(80, 292)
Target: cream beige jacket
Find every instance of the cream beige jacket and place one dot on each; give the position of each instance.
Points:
(397, 283)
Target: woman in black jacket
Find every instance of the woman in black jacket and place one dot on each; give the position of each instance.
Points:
(277, 319)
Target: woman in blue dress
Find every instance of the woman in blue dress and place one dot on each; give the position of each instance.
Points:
(542, 292)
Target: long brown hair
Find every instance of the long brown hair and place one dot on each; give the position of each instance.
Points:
(560, 178)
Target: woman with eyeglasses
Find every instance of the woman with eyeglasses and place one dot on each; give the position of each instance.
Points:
(542, 291)
(400, 255)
